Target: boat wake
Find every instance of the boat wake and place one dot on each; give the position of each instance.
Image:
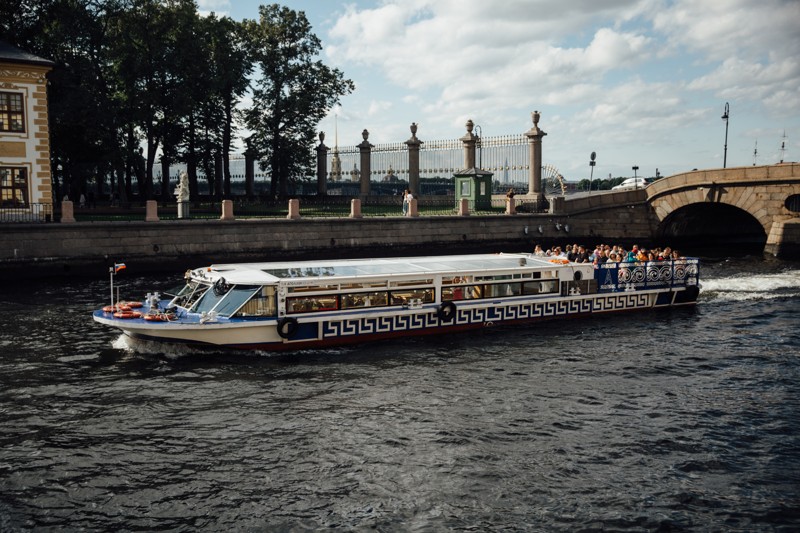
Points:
(744, 287)
(137, 346)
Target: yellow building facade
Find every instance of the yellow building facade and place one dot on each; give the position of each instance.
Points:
(25, 173)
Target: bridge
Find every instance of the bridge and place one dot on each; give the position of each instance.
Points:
(756, 206)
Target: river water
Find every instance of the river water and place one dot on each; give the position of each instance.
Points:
(680, 420)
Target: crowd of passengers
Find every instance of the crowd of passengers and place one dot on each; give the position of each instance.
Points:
(603, 253)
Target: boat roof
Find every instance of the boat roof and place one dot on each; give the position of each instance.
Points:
(272, 272)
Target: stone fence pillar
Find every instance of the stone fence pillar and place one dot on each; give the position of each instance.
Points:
(463, 207)
(366, 170)
(322, 166)
(413, 160)
(227, 210)
(511, 208)
(294, 209)
(151, 211)
(412, 208)
(67, 212)
(355, 208)
(535, 136)
(469, 141)
(557, 205)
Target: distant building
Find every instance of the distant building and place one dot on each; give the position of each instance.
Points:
(24, 133)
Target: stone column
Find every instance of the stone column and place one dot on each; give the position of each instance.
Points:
(355, 208)
(366, 171)
(535, 136)
(463, 207)
(469, 140)
(294, 209)
(413, 161)
(67, 212)
(511, 208)
(322, 166)
(412, 208)
(227, 210)
(151, 211)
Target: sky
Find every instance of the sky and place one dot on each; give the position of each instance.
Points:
(640, 82)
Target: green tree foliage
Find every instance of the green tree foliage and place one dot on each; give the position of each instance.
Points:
(155, 73)
(292, 93)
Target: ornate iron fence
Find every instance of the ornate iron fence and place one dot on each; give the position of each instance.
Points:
(31, 213)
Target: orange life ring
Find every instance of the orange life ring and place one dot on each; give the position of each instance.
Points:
(155, 317)
(560, 261)
(127, 314)
(132, 305)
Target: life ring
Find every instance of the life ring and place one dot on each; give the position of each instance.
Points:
(127, 314)
(110, 309)
(560, 261)
(287, 327)
(132, 305)
(446, 312)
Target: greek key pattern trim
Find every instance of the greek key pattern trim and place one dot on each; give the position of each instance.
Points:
(482, 315)
(619, 302)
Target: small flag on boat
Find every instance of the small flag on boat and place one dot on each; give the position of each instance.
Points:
(118, 267)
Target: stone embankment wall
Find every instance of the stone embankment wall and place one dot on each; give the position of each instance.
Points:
(88, 248)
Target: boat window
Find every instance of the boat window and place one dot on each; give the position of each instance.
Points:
(365, 299)
(309, 304)
(404, 297)
(235, 298)
(364, 285)
(411, 282)
(261, 304)
(312, 288)
(540, 287)
(187, 295)
(207, 301)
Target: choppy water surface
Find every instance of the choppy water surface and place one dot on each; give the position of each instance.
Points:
(678, 420)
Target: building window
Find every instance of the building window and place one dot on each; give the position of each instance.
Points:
(12, 115)
(13, 187)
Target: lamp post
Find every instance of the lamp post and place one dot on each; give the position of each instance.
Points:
(591, 173)
(480, 148)
(725, 117)
(635, 181)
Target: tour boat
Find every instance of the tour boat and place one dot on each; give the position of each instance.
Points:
(296, 305)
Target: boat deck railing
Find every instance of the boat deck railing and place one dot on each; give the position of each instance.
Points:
(619, 277)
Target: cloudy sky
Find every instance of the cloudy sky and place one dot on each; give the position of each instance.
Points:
(640, 82)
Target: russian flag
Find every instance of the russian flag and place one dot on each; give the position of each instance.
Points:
(118, 267)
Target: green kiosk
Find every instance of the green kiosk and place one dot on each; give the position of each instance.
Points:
(475, 185)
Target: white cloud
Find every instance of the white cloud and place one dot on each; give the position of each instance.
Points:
(220, 7)
(642, 72)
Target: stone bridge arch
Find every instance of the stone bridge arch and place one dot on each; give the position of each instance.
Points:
(738, 206)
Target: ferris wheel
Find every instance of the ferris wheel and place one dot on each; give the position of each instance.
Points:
(552, 181)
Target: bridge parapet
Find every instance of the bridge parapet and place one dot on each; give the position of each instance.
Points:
(604, 200)
(738, 175)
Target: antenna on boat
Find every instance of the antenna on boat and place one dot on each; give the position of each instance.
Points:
(111, 274)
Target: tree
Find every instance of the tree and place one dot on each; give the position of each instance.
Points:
(293, 93)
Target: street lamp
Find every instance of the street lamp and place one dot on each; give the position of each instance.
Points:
(725, 117)
(635, 181)
(480, 144)
(591, 173)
